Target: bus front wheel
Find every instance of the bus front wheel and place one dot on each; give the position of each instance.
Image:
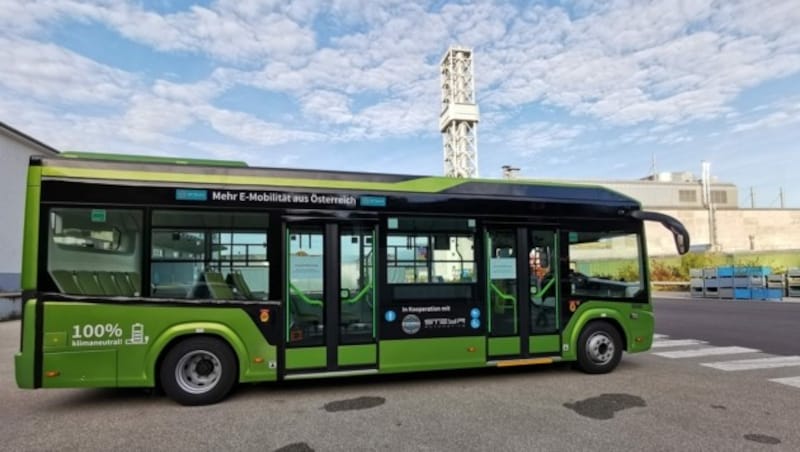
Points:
(599, 348)
(198, 371)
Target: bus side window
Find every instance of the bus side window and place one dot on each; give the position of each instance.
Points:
(88, 248)
(205, 254)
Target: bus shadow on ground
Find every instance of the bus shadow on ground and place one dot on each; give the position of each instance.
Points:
(143, 397)
(388, 381)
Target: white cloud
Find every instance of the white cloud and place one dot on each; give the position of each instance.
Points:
(49, 72)
(636, 61)
(771, 121)
(230, 31)
(533, 138)
(249, 129)
(328, 106)
(372, 71)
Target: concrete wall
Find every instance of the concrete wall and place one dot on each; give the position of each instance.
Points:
(737, 230)
(10, 307)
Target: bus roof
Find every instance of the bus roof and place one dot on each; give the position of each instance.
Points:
(151, 159)
(192, 172)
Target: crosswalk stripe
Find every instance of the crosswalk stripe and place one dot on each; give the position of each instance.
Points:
(759, 363)
(677, 343)
(708, 351)
(791, 381)
(659, 336)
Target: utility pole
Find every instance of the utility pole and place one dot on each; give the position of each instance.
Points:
(781, 197)
(752, 198)
(653, 166)
(709, 203)
(458, 120)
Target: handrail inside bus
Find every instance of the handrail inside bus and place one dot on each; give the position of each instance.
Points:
(502, 294)
(505, 297)
(359, 295)
(304, 297)
(679, 232)
(546, 286)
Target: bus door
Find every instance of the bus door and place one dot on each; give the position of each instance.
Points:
(522, 292)
(330, 297)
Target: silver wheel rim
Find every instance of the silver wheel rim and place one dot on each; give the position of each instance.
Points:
(198, 371)
(600, 348)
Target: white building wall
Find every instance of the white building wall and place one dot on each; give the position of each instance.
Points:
(14, 155)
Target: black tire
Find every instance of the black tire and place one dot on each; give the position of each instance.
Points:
(599, 348)
(198, 371)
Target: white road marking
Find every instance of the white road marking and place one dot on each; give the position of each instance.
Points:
(759, 363)
(791, 381)
(659, 336)
(677, 343)
(708, 351)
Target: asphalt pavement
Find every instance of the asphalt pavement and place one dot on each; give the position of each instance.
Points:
(648, 403)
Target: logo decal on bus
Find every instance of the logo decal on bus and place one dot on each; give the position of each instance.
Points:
(106, 334)
(390, 316)
(182, 194)
(411, 324)
(137, 335)
(372, 201)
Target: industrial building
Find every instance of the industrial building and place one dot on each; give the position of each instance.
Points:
(712, 215)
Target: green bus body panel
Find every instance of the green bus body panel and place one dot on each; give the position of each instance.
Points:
(134, 337)
(504, 346)
(85, 368)
(417, 185)
(23, 361)
(306, 357)
(622, 314)
(410, 355)
(30, 238)
(356, 355)
(549, 343)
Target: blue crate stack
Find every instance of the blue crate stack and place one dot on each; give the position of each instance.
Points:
(738, 283)
(793, 282)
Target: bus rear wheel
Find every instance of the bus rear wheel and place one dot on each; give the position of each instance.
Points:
(599, 348)
(198, 371)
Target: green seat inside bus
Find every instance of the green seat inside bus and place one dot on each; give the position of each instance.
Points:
(86, 282)
(236, 280)
(217, 287)
(108, 284)
(123, 280)
(135, 280)
(66, 281)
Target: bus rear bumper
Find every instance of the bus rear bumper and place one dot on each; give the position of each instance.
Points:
(23, 370)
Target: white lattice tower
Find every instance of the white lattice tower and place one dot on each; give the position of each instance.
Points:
(458, 120)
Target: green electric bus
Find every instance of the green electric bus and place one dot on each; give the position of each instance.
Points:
(194, 276)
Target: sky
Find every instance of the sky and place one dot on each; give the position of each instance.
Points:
(579, 90)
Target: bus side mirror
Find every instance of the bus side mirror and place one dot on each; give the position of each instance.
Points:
(681, 242)
(679, 232)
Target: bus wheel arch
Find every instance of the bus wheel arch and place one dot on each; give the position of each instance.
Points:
(600, 345)
(197, 369)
